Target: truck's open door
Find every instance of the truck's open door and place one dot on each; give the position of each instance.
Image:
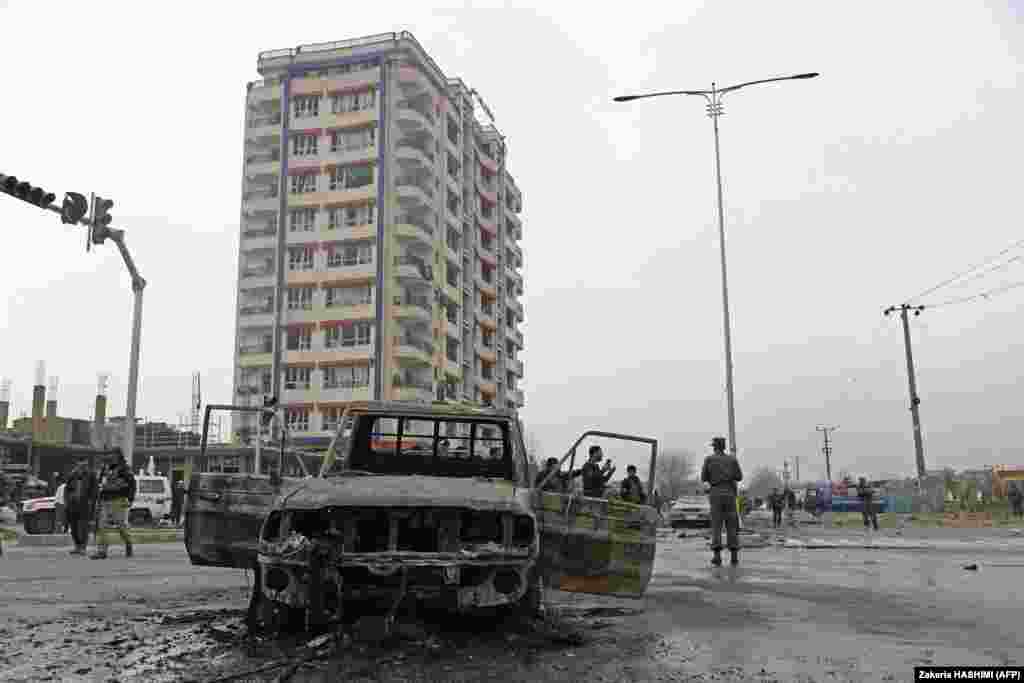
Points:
(594, 545)
(225, 511)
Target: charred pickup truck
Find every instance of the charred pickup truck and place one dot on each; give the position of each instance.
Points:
(432, 502)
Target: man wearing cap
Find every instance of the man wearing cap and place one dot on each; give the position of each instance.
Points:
(632, 489)
(79, 502)
(722, 473)
(595, 477)
(117, 491)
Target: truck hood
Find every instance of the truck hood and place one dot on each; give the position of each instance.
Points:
(407, 491)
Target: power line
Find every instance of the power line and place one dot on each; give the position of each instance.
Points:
(967, 272)
(983, 295)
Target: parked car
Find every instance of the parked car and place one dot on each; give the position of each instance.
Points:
(690, 511)
(431, 502)
(152, 499)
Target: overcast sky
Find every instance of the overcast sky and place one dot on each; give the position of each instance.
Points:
(897, 168)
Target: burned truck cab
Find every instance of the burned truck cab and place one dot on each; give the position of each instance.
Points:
(421, 502)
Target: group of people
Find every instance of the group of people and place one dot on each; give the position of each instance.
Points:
(106, 497)
(595, 478)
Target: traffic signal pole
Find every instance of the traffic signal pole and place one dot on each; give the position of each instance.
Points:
(73, 212)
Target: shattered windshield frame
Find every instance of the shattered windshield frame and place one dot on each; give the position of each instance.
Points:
(430, 445)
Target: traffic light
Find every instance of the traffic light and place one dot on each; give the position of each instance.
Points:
(101, 219)
(24, 191)
(74, 209)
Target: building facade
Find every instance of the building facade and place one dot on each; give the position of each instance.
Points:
(380, 238)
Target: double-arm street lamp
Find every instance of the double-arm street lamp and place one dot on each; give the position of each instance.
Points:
(714, 109)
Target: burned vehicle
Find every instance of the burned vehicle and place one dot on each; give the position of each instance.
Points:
(429, 502)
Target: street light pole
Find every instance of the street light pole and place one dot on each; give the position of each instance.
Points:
(714, 110)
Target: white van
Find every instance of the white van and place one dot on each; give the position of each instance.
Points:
(152, 499)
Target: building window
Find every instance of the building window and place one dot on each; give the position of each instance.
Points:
(299, 340)
(300, 259)
(307, 106)
(304, 145)
(347, 377)
(297, 419)
(303, 220)
(300, 298)
(352, 216)
(344, 103)
(296, 378)
(349, 296)
(351, 177)
(302, 184)
(342, 336)
(353, 140)
(350, 255)
(331, 416)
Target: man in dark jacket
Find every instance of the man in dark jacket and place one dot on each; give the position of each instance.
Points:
(557, 482)
(177, 501)
(776, 502)
(79, 503)
(117, 492)
(595, 477)
(1016, 499)
(632, 489)
(722, 473)
(867, 495)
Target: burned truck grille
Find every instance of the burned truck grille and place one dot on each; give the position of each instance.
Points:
(420, 530)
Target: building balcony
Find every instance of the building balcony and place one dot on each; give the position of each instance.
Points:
(292, 316)
(349, 274)
(256, 316)
(350, 82)
(411, 120)
(414, 268)
(487, 161)
(488, 387)
(452, 329)
(417, 394)
(300, 237)
(363, 311)
(261, 201)
(300, 394)
(516, 307)
(414, 309)
(258, 165)
(350, 119)
(263, 128)
(413, 80)
(257, 278)
(262, 94)
(515, 366)
(411, 193)
(412, 349)
(516, 396)
(487, 353)
(487, 319)
(346, 394)
(410, 155)
(342, 156)
(354, 195)
(488, 288)
(452, 368)
(263, 241)
(488, 192)
(251, 359)
(296, 278)
(407, 227)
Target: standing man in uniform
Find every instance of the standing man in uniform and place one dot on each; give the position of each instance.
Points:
(177, 501)
(632, 489)
(595, 478)
(867, 494)
(1016, 499)
(79, 503)
(117, 491)
(722, 473)
(775, 501)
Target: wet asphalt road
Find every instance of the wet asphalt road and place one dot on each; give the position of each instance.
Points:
(784, 615)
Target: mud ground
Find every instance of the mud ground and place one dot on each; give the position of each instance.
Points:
(783, 615)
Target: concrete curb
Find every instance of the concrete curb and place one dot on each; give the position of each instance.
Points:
(64, 540)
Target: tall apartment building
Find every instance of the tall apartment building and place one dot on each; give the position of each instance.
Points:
(379, 250)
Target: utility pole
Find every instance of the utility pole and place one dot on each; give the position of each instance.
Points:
(827, 450)
(915, 401)
(796, 468)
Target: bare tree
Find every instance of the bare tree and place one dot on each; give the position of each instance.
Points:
(761, 484)
(673, 472)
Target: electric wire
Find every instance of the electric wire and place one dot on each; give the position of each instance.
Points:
(982, 295)
(956, 277)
